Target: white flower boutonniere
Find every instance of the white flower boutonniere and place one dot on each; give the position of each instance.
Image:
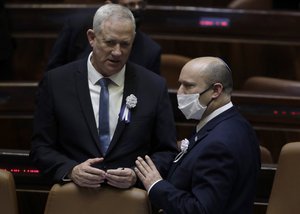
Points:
(131, 102)
(183, 147)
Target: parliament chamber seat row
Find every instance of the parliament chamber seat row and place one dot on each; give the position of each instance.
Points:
(69, 198)
(276, 114)
(8, 195)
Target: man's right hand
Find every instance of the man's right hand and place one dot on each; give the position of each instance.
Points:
(86, 175)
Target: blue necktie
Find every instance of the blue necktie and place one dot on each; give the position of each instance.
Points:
(104, 115)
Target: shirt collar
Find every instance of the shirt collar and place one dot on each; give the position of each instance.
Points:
(213, 115)
(94, 76)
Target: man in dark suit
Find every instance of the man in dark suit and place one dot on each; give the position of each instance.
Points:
(217, 168)
(66, 138)
(72, 43)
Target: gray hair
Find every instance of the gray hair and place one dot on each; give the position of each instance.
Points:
(111, 10)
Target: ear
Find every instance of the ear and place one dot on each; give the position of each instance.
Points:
(91, 37)
(217, 90)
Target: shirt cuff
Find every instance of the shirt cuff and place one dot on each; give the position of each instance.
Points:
(66, 178)
(153, 185)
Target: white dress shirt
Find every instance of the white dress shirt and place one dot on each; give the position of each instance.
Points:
(115, 88)
(213, 115)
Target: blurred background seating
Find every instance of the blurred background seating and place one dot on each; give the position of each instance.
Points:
(69, 198)
(8, 196)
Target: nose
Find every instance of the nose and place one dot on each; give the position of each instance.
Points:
(117, 50)
(180, 89)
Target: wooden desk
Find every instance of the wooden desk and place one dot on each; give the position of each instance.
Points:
(275, 118)
(17, 103)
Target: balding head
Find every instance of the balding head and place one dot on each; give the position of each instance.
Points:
(210, 77)
(209, 70)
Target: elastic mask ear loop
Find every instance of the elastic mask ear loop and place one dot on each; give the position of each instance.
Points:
(205, 90)
(212, 85)
(209, 102)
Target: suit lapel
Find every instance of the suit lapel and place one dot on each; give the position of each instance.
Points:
(199, 136)
(130, 87)
(193, 141)
(83, 92)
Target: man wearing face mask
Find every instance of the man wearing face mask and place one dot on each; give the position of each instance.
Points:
(72, 43)
(217, 168)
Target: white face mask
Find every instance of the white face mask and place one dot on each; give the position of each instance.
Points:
(190, 106)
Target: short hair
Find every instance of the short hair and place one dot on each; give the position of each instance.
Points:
(111, 10)
(219, 72)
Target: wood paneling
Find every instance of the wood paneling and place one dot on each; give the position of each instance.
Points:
(262, 43)
(265, 43)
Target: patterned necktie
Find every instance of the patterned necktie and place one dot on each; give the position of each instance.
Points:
(104, 115)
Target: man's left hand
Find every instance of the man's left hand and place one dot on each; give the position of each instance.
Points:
(147, 172)
(121, 178)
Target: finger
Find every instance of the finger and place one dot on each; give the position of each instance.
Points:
(128, 177)
(92, 161)
(143, 165)
(139, 174)
(87, 174)
(95, 178)
(94, 171)
(88, 167)
(120, 178)
(119, 182)
(120, 171)
(84, 181)
(150, 162)
(112, 177)
(87, 178)
(140, 166)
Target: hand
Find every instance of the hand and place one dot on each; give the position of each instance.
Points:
(87, 176)
(121, 177)
(146, 171)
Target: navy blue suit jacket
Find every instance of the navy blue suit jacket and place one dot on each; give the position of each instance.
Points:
(218, 173)
(65, 132)
(72, 44)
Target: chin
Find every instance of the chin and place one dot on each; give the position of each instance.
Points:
(111, 71)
